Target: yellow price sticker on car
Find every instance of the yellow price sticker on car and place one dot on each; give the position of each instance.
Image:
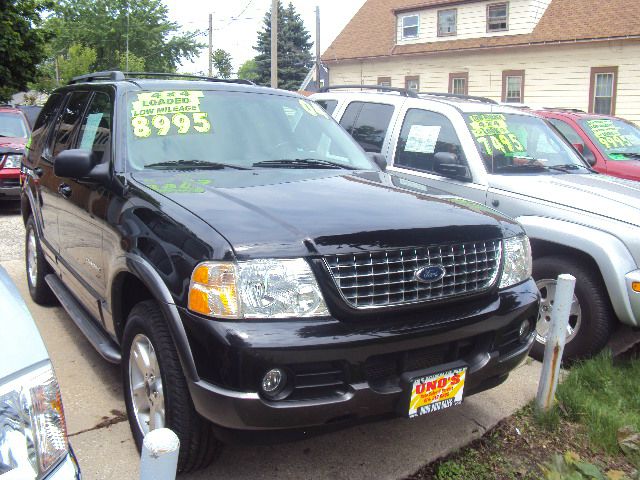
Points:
(608, 134)
(169, 111)
(492, 132)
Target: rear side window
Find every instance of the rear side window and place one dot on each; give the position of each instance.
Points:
(328, 105)
(368, 123)
(96, 127)
(68, 121)
(423, 135)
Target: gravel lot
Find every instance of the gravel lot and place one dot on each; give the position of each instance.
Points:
(11, 232)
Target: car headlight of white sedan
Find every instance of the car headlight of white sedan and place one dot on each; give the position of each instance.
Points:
(33, 436)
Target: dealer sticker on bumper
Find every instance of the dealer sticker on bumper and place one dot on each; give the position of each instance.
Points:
(437, 392)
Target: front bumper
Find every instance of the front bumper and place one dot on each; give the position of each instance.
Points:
(344, 371)
(9, 183)
(67, 469)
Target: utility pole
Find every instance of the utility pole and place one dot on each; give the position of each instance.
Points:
(274, 43)
(318, 47)
(210, 44)
(57, 71)
(127, 59)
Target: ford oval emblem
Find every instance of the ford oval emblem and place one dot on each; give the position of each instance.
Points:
(430, 274)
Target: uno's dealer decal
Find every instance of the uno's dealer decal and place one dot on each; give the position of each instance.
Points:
(436, 392)
(168, 112)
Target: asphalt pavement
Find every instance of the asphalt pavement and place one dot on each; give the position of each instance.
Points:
(99, 432)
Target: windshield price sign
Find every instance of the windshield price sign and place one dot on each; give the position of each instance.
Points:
(608, 134)
(169, 111)
(492, 132)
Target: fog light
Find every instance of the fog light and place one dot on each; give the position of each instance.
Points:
(274, 382)
(525, 330)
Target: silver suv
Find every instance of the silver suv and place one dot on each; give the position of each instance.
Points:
(579, 222)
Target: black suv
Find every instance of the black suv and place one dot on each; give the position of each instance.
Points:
(252, 268)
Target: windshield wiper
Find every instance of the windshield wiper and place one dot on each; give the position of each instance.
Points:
(193, 164)
(301, 163)
(567, 166)
(524, 166)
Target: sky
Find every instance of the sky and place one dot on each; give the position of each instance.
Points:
(236, 23)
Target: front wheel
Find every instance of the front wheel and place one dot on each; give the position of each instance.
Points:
(591, 318)
(156, 391)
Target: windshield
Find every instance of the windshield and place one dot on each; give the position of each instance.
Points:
(193, 129)
(618, 139)
(510, 143)
(12, 125)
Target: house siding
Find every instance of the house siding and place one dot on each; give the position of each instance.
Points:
(556, 75)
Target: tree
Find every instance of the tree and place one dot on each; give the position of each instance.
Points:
(104, 25)
(133, 64)
(221, 60)
(294, 49)
(78, 61)
(22, 43)
(249, 70)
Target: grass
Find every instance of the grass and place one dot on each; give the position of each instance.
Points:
(603, 395)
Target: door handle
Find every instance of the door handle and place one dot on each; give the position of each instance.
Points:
(64, 190)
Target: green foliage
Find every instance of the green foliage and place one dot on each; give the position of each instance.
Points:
(471, 465)
(133, 64)
(294, 49)
(78, 61)
(604, 397)
(22, 43)
(571, 467)
(249, 71)
(102, 25)
(221, 60)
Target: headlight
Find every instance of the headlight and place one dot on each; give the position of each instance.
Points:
(33, 436)
(256, 289)
(12, 161)
(517, 261)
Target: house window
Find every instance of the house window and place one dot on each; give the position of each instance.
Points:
(513, 86)
(384, 81)
(447, 22)
(459, 83)
(497, 17)
(410, 25)
(412, 83)
(602, 90)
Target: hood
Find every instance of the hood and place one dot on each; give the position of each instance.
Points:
(276, 212)
(12, 143)
(610, 197)
(629, 169)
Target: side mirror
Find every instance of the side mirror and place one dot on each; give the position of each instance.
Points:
(579, 147)
(446, 164)
(379, 160)
(80, 165)
(73, 164)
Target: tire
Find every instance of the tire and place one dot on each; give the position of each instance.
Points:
(146, 328)
(36, 266)
(591, 311)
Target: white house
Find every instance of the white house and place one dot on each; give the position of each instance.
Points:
(582, 54)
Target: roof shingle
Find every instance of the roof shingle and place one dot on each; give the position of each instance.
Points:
(371, 32)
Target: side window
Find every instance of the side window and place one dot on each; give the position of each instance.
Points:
(423, 135)
(96, 127)
(328, 105)
(68, 122)
(572, 137)
(370, 124)
(45, 118)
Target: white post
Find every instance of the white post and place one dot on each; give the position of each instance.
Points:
(159, 459)
(555, 341)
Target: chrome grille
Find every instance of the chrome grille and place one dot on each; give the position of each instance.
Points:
(381, 278)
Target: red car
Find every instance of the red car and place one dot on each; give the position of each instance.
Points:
(610, 144)
(14, 132)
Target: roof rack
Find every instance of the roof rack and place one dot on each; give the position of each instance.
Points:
(459, 96)
(402, 91)
(116, 75)
(560, 109)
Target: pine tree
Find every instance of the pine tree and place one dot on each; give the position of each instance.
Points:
(294, 49)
